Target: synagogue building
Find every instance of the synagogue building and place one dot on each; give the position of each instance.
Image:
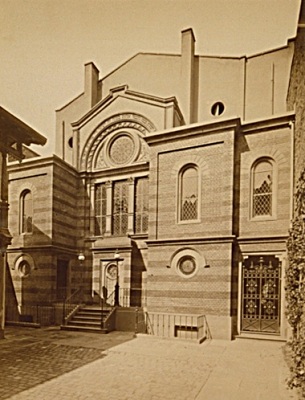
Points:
(170, 192)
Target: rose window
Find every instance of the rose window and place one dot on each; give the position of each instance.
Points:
(122, 150)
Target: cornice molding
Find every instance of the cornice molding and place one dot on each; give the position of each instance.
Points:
(40, 163)
(262, 239)
(191, 241)
(274, 122)
(177, 133)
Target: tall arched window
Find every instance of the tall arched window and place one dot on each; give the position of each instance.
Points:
(120, 208)
(262, 188)
(26, 212)
(100, 208)
(188, 203)
(141, 206)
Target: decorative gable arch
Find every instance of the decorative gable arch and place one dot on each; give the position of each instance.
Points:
(127, 122)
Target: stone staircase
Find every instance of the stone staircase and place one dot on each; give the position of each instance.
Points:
(88, 319)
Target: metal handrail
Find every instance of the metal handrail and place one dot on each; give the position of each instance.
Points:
(70, 304)
(112, 294)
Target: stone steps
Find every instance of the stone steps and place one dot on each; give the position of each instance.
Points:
(88, 319)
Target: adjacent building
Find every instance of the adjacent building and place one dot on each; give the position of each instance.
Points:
(14, 133)
(173, 178)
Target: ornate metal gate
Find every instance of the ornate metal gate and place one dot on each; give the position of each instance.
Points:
(261, 294)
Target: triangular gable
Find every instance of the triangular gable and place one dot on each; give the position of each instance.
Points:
(167, 115)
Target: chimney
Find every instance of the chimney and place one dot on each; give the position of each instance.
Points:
(187, 74)
(91, 84)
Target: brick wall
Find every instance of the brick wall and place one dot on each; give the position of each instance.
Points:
(66, 207)
(296, 100)
(208, 292)
(214, 155)
(276, 144)
(55, 190)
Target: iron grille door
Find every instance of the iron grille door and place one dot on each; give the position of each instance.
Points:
(261, 294)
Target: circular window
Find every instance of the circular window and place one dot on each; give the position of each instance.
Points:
(24, 269)
(70, 142)
(186, 262)
(121, 149)
(187, 265)
(112, 271)
(217, 108)
(24, 265)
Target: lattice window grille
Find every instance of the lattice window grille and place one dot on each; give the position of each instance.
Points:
(262, 190)
(120, 208)
(189, 194)
(100, 205)
(141, 205)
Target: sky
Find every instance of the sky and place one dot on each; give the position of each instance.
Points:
(44, 44)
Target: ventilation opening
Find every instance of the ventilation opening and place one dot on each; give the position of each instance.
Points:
(217, 108)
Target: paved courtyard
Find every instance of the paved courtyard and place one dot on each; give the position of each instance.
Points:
(52, 364)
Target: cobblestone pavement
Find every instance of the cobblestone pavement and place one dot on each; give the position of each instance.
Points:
(29, 357)
(153, 369)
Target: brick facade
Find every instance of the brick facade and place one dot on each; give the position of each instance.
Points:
(123, 128)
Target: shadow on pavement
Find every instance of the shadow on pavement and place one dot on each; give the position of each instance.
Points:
(29, 357)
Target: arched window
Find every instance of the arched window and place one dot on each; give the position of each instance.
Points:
(120, 208)
(141, 206)
(262, 188)
(100, 206)
(26, 212)
(188, 202)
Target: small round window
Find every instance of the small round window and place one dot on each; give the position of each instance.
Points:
(24, 269)
(217, 108)
(187, 262)
(70, 142)
(112, 271)
(187, 265)
(24, 265)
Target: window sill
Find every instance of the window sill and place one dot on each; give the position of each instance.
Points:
(263, 218)
(138, 235)
(189, 221)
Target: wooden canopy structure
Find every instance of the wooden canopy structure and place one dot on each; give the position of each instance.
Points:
(14, 133)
